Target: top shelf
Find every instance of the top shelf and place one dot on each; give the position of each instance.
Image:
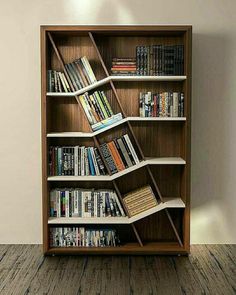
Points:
(117, 78)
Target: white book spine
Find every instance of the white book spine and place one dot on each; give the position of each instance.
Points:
(62, 82)
(95, 203)
(76, 157)
(136, 159)
(82, 155)
(65, 81)
(89, 69)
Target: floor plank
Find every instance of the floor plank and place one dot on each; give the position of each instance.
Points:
(210, 269)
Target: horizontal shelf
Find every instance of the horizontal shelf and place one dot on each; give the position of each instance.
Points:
(118, 78)
(168, 203)
(148, 161)
(128, 248)
(148, 78)
(81, 91)
(91, 134)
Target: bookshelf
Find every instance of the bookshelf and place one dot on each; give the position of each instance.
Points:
(162, 143)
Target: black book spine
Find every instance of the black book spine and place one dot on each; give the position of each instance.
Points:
(104, 103)
(120, 153)
(128, 150)
(99, 162)
(108, 158)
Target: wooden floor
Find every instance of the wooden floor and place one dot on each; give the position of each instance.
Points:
(208, 270)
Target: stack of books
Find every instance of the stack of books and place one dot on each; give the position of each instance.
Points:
(159, 60)
(81, 237)
(75, 160)
(70, 202)
(164, 104)
(140, 200)
(98, 110)
(80, 73)
(57, 82)
(119, 154)
(123, 66)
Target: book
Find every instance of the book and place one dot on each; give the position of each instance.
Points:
(123, 66)
(139, 200)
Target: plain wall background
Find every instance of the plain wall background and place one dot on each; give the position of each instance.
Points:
(213, 107)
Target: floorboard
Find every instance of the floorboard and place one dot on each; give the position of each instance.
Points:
(210, 269)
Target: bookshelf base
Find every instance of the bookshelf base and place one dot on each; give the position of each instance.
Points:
(152, 248)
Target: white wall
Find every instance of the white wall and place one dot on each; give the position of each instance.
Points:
(214, 107)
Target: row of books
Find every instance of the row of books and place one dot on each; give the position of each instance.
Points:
(98, 110)
(70, 202)
(139, 200)
(159, 60)
(119, 154)
(82, 237)
(163, 104)
(123, 66)
(75, 160)
(57, 82)
(80, 74)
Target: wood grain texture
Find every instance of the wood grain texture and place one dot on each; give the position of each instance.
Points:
(210, 270)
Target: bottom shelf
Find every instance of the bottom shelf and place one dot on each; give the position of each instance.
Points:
(150, 248)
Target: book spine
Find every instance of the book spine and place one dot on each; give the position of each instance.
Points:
(99, 162)
(136, 159)
(97, 172)
(116, 157)
(107, 103)
(108, 158)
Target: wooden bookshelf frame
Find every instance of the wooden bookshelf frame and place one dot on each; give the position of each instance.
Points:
(165, 230)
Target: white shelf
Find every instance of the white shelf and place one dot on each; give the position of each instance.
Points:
(148, 161)
(168, 203)
(156, 118)
(91, 134)
(148, 78)
(88, 220)
(81, 91)
(118, 78)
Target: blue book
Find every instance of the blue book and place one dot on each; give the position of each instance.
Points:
(59, 161)
(90, 160)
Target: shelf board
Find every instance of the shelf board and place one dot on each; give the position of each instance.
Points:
(117, 78)
(91, 134)
(156, 118)
(80, 91)
(148, 78)
(88, 220)
(168, 203)
(148, 161)
(128, 248)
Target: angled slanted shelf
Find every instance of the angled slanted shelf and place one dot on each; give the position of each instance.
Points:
(162, 143)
